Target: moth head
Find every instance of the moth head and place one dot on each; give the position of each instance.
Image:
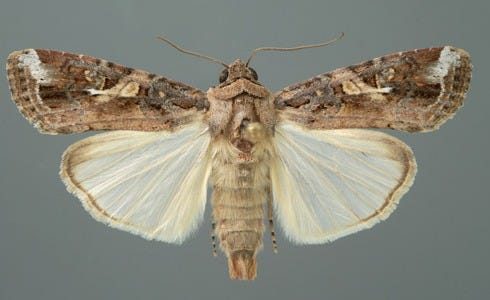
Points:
(237, 70)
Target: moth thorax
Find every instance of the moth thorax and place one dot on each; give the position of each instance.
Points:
(248, 136)
(254, 132)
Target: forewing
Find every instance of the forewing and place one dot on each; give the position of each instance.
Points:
(328, 184)
(413, 91)
(61, 92)
(149, 183)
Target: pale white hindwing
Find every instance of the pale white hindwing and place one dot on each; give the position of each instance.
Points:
(149, 183)
(331, 183)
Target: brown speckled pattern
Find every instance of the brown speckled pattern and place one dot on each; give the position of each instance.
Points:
(416, 102)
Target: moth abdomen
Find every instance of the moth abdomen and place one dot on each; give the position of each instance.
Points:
(239, 217)
(244, 265)
(239, 194)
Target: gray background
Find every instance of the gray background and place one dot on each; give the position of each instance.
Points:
(436, 245)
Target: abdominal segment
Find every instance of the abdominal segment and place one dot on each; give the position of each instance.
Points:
(240, 183)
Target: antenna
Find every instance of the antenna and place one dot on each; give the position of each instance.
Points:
(293, 48)
(190, 52)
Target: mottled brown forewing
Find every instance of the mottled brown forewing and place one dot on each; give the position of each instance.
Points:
(62, 92)
(416, 90)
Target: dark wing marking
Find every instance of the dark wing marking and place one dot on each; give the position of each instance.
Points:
(62, 92)
(416, 90)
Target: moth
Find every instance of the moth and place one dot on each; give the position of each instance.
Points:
(302, 155)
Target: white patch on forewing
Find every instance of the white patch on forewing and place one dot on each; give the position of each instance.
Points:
(35, 66)
(385, 90)
(124, 89)
(447, 59)
(358, 87)
(96, 92)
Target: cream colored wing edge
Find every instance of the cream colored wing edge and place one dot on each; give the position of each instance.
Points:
(288, 200)
(197, 184)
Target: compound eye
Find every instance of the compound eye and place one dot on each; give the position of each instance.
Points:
(254, 74)
(223, 76)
